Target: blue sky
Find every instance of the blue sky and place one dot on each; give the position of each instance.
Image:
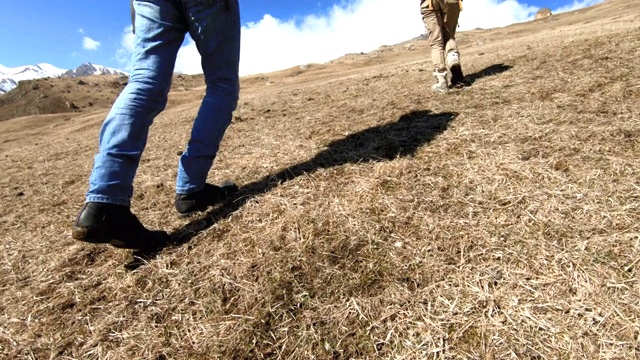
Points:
(276, 33)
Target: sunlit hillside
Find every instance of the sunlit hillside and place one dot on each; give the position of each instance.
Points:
(375, 219)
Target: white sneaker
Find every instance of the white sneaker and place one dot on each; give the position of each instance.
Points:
(441, 86)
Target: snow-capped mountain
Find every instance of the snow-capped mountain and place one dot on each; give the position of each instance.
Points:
(30, 72)
(6, 84)
(87, 69)
(9, 77)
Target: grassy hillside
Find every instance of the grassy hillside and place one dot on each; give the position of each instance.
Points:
(375, 219)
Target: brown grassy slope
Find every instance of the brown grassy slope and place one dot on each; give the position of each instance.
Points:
(71, 95)
(376, 220)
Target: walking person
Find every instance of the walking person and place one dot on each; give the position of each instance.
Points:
(160, 27)
(441, 20)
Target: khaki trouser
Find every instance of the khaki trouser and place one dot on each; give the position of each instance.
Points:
(441, 22)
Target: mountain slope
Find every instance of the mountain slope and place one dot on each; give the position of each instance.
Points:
(7, 84)
(60, 95)
(9, 77)
(29, 72)
(375, 219)
(88, 69)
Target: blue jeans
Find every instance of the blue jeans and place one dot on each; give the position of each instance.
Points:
(161, 26)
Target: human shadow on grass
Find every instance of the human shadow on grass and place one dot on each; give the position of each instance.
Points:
(488, 71)
(401, 138)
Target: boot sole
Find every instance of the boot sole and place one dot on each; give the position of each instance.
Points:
(156, 239)
(230, 190)
(89, 235)
(440, 90)
(190, 214)
(194, 213)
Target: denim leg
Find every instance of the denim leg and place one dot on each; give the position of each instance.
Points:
(216, 32)
(160, 30)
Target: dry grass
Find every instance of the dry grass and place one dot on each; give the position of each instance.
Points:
(375, 219)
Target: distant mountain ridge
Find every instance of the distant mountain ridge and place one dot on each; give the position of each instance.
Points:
(88, 69)
(9, 77)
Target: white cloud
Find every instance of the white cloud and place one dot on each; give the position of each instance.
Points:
(123, 54)
(358, 26)
(81, 31)
(486, 14)
(90, 44)
(577, 4)
(188, 61)
(352, 26)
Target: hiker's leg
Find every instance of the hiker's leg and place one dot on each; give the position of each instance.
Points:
(452, 55)
(432, 18)
(450, 24)
(216, 32)
(160, 30)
